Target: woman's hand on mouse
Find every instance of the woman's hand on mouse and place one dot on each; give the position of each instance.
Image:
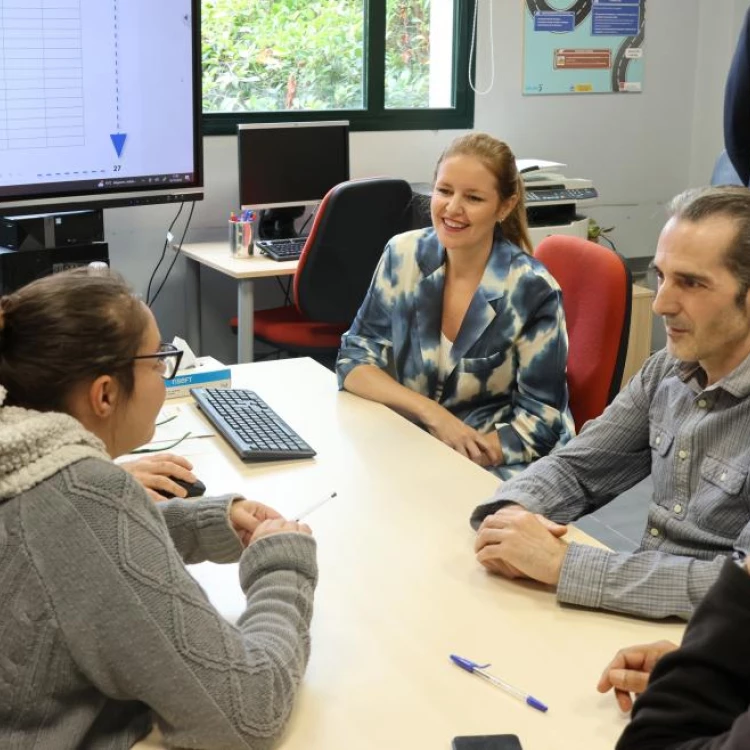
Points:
(247, 515)
(156, 473)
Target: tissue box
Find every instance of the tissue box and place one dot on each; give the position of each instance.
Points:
(207, 373)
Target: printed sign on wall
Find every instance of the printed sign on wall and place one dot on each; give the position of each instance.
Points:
(583, 46)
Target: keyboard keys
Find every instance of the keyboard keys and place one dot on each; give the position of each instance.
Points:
(289, 249)
(252, 428)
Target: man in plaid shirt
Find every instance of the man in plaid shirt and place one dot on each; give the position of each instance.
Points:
(684, 418)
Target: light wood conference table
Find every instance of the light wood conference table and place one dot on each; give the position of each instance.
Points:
(400, 588)
(216, 255)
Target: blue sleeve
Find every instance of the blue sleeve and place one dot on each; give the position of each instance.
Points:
(540, 419)
(370, 339)
(737, 106)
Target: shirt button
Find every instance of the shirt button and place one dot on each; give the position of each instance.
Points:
(723, 475)
(654, 532)
(658, 440)
(703, 403)
(677, 508)
(682, 455)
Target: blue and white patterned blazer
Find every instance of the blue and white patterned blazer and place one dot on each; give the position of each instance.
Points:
(509, 356)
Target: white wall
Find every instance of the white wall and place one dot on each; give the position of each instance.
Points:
(636, 148)
(639, 149)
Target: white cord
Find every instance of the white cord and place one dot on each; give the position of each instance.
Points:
(472, 84)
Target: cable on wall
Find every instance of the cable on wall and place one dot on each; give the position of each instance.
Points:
(177, 248)
(167, 240)
(472, 49)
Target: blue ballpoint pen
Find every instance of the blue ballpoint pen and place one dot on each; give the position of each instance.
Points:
(478, 669)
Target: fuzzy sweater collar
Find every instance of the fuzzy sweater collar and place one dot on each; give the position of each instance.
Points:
(35, 445)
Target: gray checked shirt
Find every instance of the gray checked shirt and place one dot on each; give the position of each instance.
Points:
(695, 442)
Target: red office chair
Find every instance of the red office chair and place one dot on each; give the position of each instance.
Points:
(353, 224)
(597, 293)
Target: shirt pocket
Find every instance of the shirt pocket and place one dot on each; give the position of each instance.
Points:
(480, 365)
(660, 440)
(720, 503)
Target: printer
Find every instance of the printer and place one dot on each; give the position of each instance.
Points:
(553, 201)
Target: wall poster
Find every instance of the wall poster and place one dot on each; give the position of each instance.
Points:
(583, 46)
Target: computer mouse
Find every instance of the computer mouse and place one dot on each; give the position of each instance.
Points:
(194, 489)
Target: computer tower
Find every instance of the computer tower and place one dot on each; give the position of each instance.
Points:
(20, 267)
(62, 229)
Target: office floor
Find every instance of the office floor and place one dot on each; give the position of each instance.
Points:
(620, 524)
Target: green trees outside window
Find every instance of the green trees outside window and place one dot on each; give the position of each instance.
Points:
(381, 64)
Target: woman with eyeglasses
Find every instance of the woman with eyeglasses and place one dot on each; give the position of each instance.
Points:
(103, 632)
(157, 473)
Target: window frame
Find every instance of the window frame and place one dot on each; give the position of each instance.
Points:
(375, 117)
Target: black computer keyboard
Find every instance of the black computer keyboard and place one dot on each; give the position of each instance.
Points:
(249, 424)
(289, 249)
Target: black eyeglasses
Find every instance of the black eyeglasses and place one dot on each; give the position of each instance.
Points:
(169, 357)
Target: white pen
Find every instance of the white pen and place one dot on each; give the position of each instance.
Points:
(315, 506)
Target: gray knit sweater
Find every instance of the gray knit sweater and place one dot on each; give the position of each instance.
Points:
(102, 629)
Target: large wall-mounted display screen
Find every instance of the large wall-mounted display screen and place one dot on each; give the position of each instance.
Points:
(99, 103)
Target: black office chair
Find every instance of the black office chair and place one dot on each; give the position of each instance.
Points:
(353, 224)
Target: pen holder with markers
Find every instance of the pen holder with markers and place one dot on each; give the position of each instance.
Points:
(242, 235)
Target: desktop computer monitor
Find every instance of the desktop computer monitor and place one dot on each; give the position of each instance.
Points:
(291, 164)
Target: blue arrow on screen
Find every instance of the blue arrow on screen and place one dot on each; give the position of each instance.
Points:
(118, 141)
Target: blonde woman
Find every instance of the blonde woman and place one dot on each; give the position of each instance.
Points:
(461, 329)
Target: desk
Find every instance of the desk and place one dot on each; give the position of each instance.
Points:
(400, 588)
(216, 255)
